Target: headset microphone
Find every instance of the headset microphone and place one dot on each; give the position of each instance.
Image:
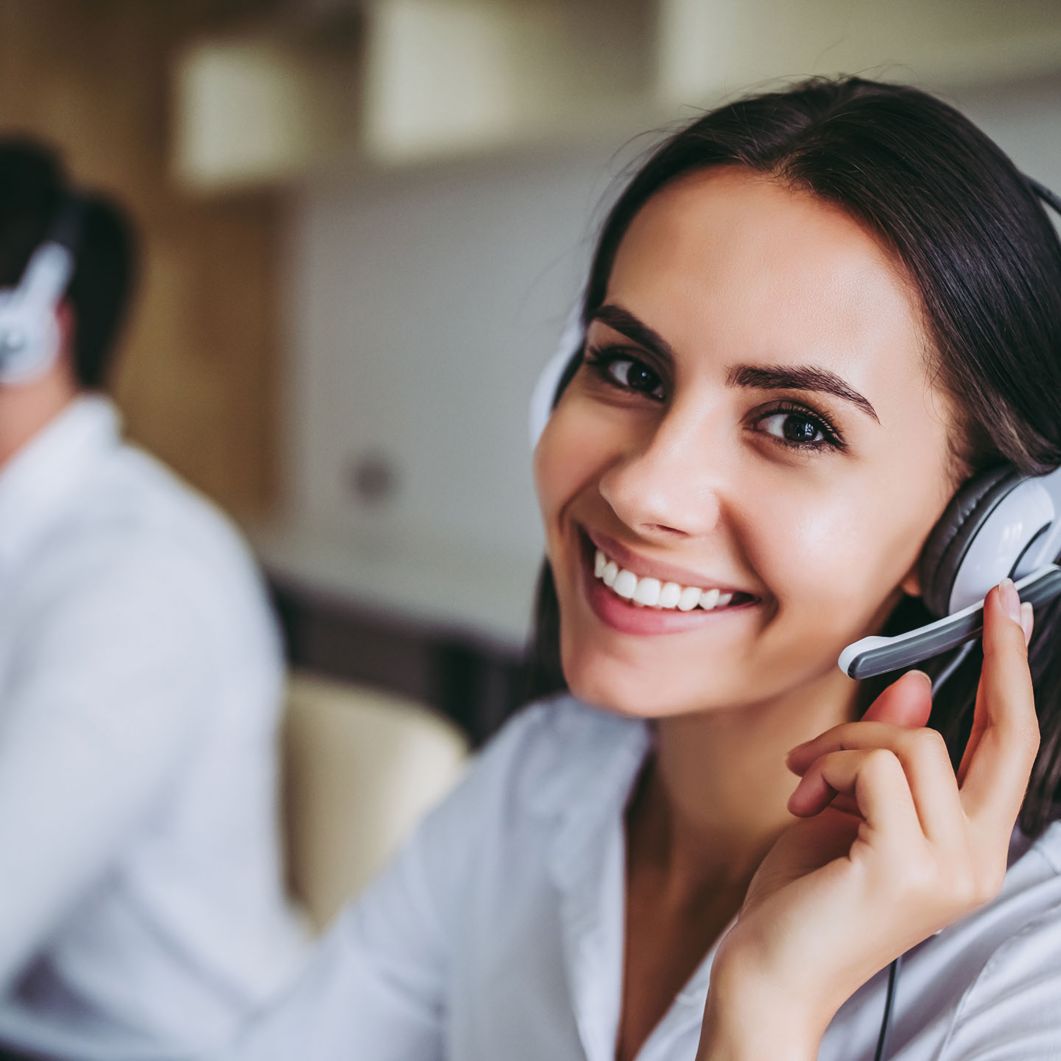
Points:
(29, 331)
(999, 524)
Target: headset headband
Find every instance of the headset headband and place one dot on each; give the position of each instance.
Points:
(1045, 194)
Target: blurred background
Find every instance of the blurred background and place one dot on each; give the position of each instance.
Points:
(364, 222)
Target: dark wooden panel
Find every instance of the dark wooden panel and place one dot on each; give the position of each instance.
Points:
(476, 686)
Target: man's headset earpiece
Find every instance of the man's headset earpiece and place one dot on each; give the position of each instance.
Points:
(29, 330)
(999, 523)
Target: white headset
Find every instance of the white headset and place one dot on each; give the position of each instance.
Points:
(29, 328)
(544, 395)
(999, 523)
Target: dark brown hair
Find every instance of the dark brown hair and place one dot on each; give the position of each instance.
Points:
(33, 188)
(981, 251)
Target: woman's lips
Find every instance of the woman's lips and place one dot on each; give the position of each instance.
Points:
(629, 618)
(624, 557)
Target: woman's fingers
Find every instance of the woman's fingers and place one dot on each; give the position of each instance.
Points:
(994, 771)
(993, 774)
(877, 781)
(906, 702)
(921, 752)
(892, 721)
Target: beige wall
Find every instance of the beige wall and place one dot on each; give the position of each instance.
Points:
(196, 381)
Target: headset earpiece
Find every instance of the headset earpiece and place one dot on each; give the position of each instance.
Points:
(29, 329)
(555, 372)
(986, 533)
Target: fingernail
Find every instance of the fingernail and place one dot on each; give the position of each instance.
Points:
(923, 675)
(1027, 620)
(1010, 599)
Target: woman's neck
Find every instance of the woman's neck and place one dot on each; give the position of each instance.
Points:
(712, 799)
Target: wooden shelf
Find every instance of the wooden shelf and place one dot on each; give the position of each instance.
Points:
(419, 80)
(408, 81)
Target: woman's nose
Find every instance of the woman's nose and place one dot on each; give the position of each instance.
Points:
(667, 484)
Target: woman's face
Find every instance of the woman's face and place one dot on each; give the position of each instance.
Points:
(679, 456)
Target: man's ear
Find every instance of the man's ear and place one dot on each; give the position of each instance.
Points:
(64, 314)
(67, 320)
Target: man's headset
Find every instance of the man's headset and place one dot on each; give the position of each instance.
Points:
(29, 330)
(1000, 523)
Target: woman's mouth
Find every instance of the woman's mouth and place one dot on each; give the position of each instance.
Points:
(638, 604)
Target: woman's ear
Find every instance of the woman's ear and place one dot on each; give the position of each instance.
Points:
(911, 583)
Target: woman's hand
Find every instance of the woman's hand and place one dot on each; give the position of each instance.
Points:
(890, 848)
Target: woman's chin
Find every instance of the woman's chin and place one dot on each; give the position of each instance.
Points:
(641, 697)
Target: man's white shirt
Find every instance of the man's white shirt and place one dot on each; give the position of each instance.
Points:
(142, 907)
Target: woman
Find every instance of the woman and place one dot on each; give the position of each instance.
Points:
(626, 870)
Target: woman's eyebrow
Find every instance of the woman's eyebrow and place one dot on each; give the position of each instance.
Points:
(759, 377)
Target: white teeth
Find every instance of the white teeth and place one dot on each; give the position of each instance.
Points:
(649, 592)
(669, 595)
(625, 584)
(689, 599)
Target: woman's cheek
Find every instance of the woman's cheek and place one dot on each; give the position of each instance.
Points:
(548, 468)
(820, 562)
(571, 449)
(847, 559)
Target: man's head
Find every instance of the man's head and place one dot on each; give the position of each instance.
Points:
(33, 192)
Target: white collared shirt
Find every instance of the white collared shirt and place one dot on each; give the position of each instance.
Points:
(141, 897)
(498, 933)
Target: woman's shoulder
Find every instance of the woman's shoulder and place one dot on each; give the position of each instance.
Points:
(1009, 1005)
(555, 758)
(550, 746)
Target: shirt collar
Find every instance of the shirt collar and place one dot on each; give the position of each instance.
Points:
(595, 757)
(39, 480)
(584, 793)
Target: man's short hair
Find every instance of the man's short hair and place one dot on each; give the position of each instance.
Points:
(33, 188)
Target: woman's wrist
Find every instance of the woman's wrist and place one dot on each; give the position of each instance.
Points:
(747, 1018)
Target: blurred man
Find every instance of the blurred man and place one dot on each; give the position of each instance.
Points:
(141, 901)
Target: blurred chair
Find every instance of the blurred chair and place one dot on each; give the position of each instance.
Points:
(360, 767)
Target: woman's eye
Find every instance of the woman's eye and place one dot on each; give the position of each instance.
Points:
(800, 429)
(623, 371)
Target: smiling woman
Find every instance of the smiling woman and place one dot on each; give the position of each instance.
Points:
(707, 448)
(976, 261)
(812, 315)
